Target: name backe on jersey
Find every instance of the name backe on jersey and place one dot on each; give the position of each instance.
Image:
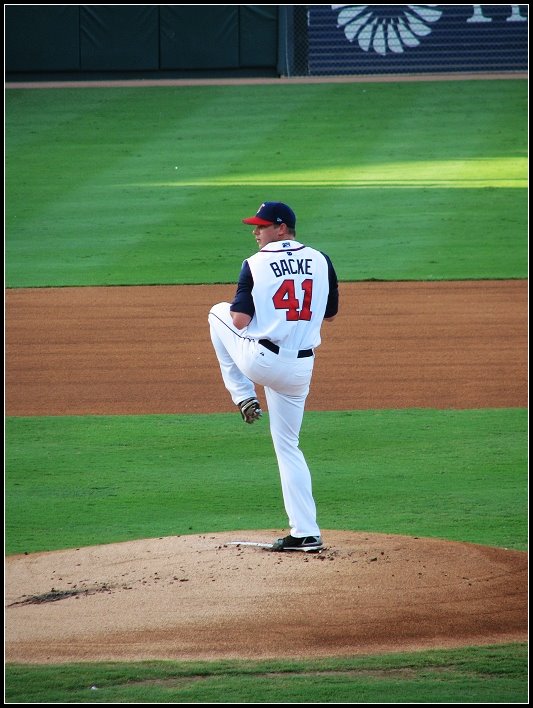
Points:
(292, 266)
(294, 279)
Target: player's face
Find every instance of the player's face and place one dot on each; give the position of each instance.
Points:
(266, 234)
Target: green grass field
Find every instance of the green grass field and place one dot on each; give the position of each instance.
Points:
(460, 475)
(419, 180)
(415, 181)
(478, 675)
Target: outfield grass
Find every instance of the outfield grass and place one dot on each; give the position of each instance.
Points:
(399, 181)
(495, 674)
(72, 481)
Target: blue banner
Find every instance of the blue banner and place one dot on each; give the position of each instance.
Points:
(381, 39)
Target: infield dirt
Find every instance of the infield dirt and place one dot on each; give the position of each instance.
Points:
(128, 350)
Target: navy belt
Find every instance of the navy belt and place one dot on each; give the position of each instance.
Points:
(274, 348)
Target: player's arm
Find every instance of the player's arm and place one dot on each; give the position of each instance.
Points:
(332, 306)
(242, 309)
(240, 319)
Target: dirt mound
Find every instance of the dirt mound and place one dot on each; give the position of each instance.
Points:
(198, 597)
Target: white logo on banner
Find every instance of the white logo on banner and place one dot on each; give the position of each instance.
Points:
(389, 31)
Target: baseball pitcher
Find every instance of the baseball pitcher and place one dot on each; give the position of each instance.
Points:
(268, 336)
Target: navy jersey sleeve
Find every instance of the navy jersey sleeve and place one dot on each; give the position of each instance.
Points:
(243, 300)
(332, 306)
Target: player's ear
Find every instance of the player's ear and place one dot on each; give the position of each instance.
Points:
(288, 233)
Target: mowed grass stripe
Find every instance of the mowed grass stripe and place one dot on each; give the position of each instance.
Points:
(422, 180)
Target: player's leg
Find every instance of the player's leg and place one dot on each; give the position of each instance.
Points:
(286, 415)
(230, 348)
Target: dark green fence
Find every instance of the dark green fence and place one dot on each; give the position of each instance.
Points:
(141, 38)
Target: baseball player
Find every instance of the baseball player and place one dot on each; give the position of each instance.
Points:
(267, 336)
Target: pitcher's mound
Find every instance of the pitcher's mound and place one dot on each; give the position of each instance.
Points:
(196, 597)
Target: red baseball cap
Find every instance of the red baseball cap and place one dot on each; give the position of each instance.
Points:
(272, 213)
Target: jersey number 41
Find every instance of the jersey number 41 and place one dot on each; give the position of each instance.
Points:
(285, 299)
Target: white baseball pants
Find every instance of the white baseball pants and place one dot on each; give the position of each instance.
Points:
(286, 380)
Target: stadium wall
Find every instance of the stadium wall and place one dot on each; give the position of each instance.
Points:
(262, 40)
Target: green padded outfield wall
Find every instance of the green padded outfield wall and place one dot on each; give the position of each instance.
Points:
(42, 38)
(87, 38)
